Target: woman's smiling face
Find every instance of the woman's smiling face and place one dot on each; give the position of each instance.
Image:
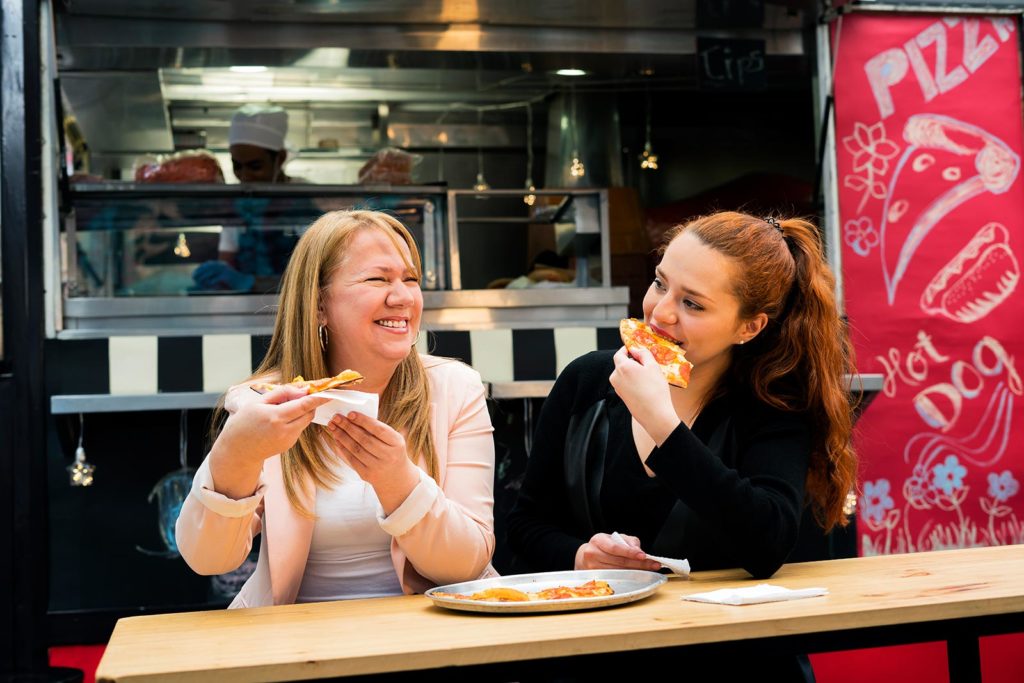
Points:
(692, 302)
(372, 306)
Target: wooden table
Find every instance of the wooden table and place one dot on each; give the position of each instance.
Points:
(954, 595)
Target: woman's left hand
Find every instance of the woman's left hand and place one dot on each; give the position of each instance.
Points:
(377, 453)
(639, 382)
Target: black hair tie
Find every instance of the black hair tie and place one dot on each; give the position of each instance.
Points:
(774, 223)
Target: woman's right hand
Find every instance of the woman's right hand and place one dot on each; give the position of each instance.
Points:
(604, 552)
(256, 431)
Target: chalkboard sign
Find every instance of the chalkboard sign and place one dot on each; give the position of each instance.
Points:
(728, 64)
(730, 13)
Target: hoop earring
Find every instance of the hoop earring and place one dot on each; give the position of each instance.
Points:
(321, 332)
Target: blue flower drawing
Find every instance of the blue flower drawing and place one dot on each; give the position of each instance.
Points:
(876, 499)
(949, 476)
(1003, 486)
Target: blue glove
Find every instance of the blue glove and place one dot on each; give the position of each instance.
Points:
(219, 275)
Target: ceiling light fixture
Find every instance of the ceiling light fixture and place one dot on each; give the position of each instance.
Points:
(571, 72)
(247, 69)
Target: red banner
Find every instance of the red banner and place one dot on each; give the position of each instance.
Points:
(929, 137)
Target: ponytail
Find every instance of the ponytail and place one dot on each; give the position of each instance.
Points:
(813, 343)
(798, 362)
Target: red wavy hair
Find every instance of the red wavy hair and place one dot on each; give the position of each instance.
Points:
(799, 360)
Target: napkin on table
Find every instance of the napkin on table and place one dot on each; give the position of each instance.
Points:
(762, 592)
(678, 567)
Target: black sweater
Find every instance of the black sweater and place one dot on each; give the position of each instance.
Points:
(742, 503)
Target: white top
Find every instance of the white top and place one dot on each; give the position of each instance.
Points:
(350, 554)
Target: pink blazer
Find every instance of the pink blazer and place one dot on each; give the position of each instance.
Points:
(442, 533)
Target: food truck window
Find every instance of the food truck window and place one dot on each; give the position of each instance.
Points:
(197, 240)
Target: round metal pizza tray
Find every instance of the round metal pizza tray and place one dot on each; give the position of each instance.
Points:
(629, 586)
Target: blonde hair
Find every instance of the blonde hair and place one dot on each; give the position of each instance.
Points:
(295, 347)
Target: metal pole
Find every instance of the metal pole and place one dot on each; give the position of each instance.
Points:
(23, 509)
(829, 186)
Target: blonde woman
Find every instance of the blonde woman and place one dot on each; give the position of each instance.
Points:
(363, 507)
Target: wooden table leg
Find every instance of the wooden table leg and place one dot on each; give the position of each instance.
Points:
(964, 659)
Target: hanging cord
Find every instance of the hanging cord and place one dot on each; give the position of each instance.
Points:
(530, 198)
(647, 122)
(183, 440)
(479, 143)
(170, 493)
(529, 146)
(648, 159)
(440, 149)
(481, 182)
(528, 425)
(575, 139)
(576, 168)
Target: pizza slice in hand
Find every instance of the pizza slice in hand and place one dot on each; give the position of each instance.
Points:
(670, 356)
(313, 386)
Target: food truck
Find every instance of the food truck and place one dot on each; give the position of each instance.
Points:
(537, 153)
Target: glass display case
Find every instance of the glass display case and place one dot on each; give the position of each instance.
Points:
(131, 240)
(195, 259)
(528, 239)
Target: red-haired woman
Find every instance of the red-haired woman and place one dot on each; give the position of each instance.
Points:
(718, 473)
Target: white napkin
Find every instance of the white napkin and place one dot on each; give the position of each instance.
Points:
(762, 592)
(345, 401)
(678, 567)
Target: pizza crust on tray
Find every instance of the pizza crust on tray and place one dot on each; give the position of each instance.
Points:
(591, 589)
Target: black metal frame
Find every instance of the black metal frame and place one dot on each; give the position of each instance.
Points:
(23, 514)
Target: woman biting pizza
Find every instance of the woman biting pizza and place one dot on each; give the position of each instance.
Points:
(362, 507)
(719, 472)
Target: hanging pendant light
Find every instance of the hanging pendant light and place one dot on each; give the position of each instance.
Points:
(530, 198)
(648, 159)
(576, 168)
(181, 248)
(481, 184)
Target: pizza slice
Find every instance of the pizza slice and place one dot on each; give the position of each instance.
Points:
(499, 594)
(670, 356)
(591, 589)
(313, 386)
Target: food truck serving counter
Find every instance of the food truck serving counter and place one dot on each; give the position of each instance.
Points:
(156, 338)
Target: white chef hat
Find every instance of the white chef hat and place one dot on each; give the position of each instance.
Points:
(260, 125)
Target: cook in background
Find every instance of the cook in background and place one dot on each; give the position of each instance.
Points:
(252, 258)
(363, 507)
(718, 473)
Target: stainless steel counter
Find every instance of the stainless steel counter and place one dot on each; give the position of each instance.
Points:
(92, 318)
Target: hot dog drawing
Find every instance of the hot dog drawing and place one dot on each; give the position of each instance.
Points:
(976, 280)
